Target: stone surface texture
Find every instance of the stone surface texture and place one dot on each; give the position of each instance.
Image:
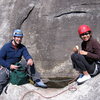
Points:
(50, 29)
(90, 90)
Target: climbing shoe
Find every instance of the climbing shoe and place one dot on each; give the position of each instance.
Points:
(83, 79)
(39, 83)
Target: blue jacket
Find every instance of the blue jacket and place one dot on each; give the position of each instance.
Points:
(9, 55)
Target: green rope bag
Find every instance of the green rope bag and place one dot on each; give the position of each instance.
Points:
(19, 76)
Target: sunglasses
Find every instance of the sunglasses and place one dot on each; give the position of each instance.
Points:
(87, 33)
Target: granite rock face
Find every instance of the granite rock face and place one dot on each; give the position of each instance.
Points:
(90, 90)
(50, 29)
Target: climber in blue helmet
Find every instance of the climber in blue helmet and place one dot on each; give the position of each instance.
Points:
(17, 32)
(17, 36)
(11, 53)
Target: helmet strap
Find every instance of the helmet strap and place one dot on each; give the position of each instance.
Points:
(15, 43)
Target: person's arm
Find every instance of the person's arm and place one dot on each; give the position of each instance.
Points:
(3, 54)
(95, 53)
(27, 56)
(30, 62)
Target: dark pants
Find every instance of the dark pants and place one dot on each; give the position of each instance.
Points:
(33, 73)
(81, 64)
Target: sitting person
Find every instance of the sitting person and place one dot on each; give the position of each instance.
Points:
(11, 53)
(86, 61)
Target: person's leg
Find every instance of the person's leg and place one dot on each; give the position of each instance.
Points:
(36, 77)
(83, 66)
(4, 78)
(80, 63)
(32, 72)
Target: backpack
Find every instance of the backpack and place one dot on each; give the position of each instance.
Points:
(19, 76)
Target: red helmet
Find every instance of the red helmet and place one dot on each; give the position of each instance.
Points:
(83, 29)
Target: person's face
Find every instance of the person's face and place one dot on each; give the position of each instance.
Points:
(17, 39)
(85, 36)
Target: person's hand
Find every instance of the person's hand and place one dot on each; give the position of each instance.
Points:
(30, 62)
(13, 67)
(76, 49)
(82, 52)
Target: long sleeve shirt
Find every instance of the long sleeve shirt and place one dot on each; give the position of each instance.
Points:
(93, 48)
(9, 55)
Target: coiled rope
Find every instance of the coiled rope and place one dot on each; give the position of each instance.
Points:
(49, 97)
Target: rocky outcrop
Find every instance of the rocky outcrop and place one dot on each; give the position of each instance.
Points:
(50, 33)
(50, 29)
(87, 91)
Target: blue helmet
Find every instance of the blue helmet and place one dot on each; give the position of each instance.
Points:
(17, 32)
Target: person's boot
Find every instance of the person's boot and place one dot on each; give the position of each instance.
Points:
(83, 79)
(39, 83)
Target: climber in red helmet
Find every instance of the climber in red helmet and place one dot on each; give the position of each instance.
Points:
(87, 59)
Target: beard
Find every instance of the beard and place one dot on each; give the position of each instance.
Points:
(17, 42)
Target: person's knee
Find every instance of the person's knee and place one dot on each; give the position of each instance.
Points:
(74, 56)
